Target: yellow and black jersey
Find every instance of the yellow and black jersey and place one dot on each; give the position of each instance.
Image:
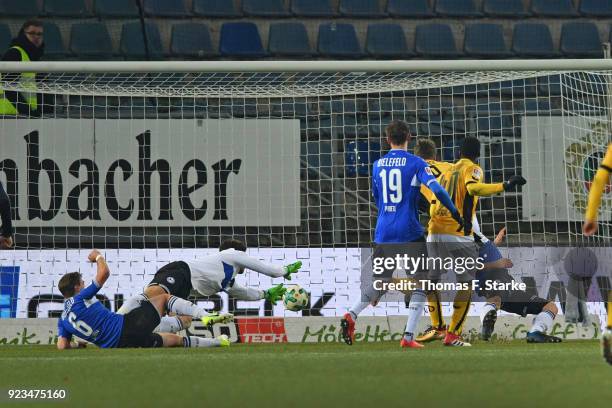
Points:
(599, 183)
(463, 182)
(437, 168)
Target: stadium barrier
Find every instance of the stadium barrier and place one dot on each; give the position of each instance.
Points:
(371, 329)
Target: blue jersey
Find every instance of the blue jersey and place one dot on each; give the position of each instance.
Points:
(88, 319)
(396, 183)
(489, 252)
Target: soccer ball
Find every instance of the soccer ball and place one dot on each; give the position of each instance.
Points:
(295, 298)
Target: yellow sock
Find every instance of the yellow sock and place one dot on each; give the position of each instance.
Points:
(435, 309)
(610, 309)
(461, 305)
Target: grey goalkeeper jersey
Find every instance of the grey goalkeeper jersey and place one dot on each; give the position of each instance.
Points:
(214, 273)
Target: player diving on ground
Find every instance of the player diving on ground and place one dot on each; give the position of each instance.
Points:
(209, 275)
(86, 318)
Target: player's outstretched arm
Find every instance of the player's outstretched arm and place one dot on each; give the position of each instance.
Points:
(476, 187)
(243, 260)
(103, 271)
(240, 292)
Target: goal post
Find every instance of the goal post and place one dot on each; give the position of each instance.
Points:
(159, 161)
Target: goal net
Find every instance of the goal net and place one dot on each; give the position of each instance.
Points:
(158, 162)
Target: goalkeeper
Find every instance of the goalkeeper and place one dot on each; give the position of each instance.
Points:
(602, 177)
(209, 275)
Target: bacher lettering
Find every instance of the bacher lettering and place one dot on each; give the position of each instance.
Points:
(95, 184)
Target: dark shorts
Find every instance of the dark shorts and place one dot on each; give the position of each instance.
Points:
(175, 278)
(138, 326)
(513, 301)
(522, 303)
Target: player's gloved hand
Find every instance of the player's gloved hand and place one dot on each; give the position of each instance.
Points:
(292, 268)
(515, 180)
(216, 317)
(275, 293)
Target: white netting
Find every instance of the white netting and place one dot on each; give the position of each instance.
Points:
(174, 161)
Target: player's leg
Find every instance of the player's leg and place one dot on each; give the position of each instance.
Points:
(606, 339)
(437, 330)
(418, 299)
(461, 249)
(522, 303)
(174, 340)
(168, 324)
(461, 307)
(173, 324)
(369, 296)
(488, 316)
(154, 290)
(168, 303)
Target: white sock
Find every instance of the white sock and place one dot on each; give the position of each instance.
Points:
(131, 304)
(169, 324)
(193, 341)
(543, 321)
(185, 307)
(486, 308)
(358, 308)
(415, 308)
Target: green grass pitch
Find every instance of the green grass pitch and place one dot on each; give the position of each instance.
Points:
(516, 374)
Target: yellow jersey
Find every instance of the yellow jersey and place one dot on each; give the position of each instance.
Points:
(599, 184)
(437, 168)
(463, 182)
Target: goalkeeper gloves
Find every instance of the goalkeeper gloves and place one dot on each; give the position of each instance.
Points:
(292, 268)
(515, 180)
(275, 293)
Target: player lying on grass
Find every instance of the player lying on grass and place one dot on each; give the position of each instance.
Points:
(209, 275)
(88, 319)
(463, 181)
(519, 302)
(601, 179)
(396, 181)
(511, 301)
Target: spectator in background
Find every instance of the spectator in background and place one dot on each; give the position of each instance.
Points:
(6, 236)
(27, 46)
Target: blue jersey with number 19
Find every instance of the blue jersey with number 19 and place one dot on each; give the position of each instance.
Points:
(88, 319)
(396, 183)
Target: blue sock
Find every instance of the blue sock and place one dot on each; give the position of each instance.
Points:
(415, 309)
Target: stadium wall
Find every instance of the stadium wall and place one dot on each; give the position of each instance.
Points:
(332, 276)
(43, 331)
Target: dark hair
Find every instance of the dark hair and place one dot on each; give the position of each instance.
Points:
(237, 244)
(470, 148)
(398, 132)
(31, 23)
(68, 282)
(425, 148)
